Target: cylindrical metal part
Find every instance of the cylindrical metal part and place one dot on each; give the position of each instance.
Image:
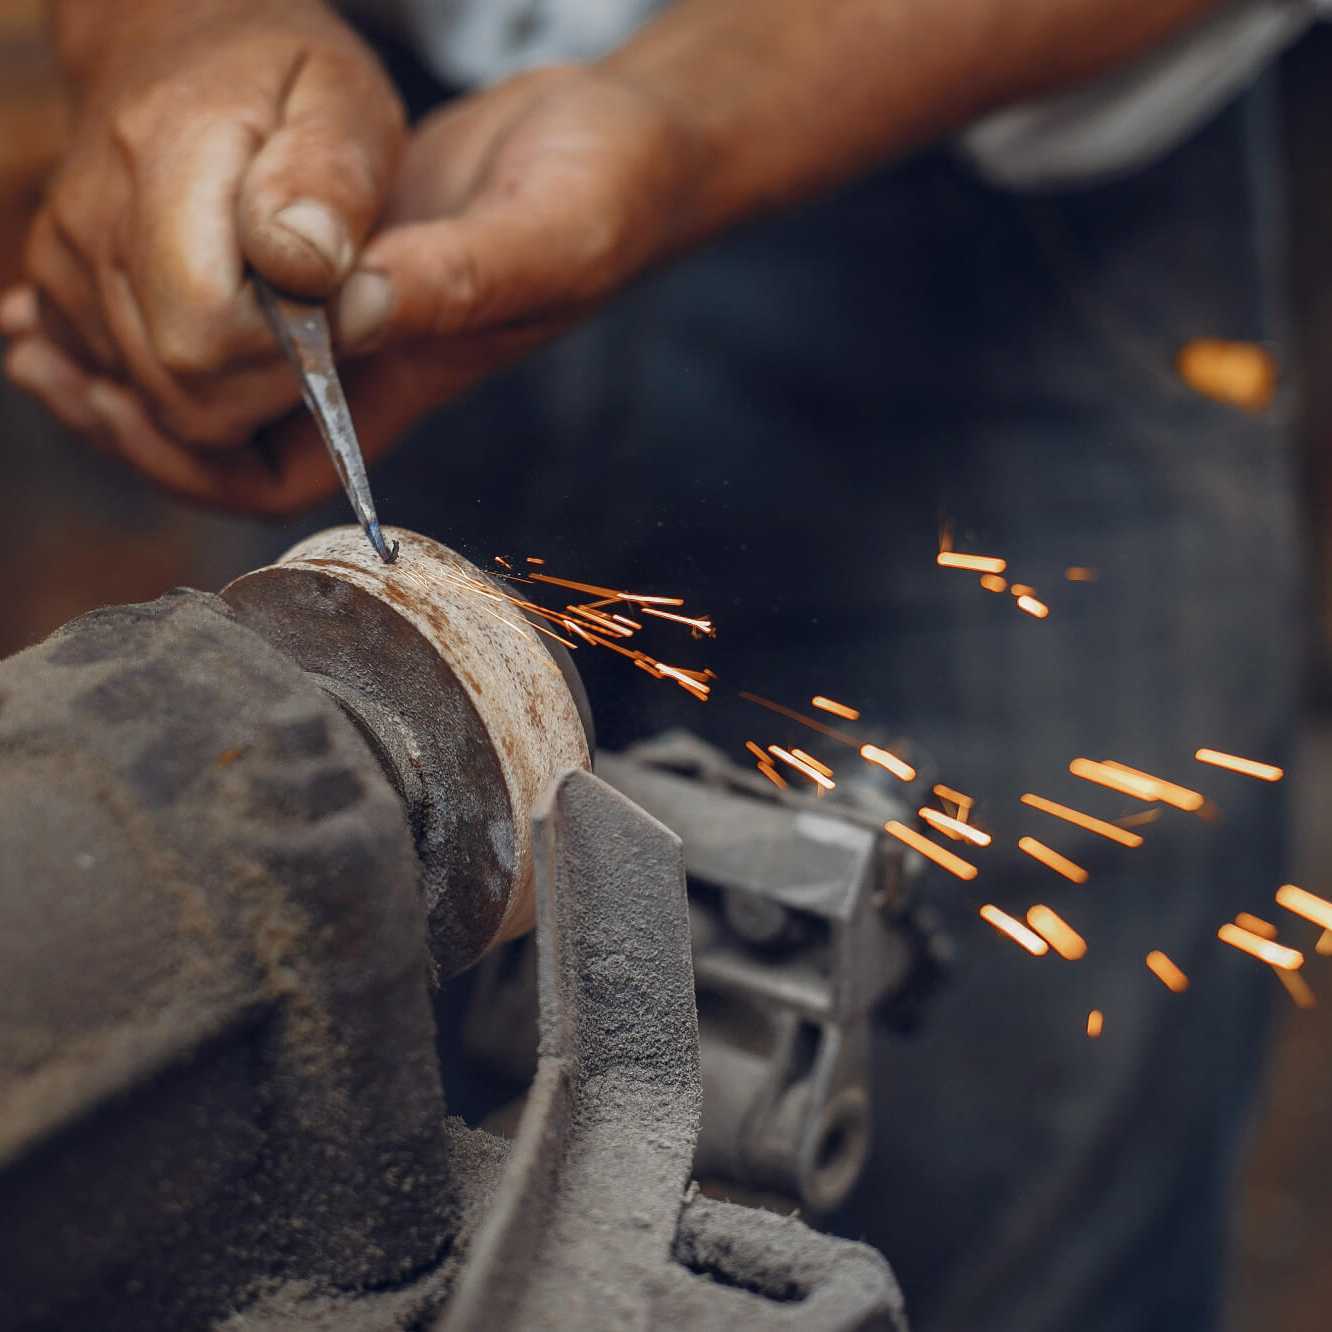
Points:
(459, 696)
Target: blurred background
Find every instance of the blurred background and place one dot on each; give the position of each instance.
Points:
(80, 531)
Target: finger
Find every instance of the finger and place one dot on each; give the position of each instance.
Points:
(313, 193)
(180, 250)
(243, 480)
(482, 270)
(18, 311)
(69, 307)
(219, 411)
(39, 367)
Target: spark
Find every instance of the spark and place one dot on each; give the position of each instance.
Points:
(1166, 971)
(801, 766)
(1324, 945)
(500, 560)
(1095, 1023)
(626, 621)
(535, 559)
(942, 857)
(1168, 792)
(1051, 858)
(700, 624)
(602, 622)
(1306, 904)
(842, 737)
(773, 775)
(993, 583)
(1022, 590)
(757, 750)
(902, 771)
(1256, 925)
(951, 559)
(836, 708)
(812, 761)
(684, 680)
(1141, 785)
(1057, 932)
(954, 828)
(610, 593)
(1274, 954)
(1081, 820)
(1297, 987)
(1015, 930)
(963, 801)
(1079, 573)
(1033, 607)
(1265, 772)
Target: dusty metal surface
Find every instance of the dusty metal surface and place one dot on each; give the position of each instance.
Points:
(591, 1226)
(483, 714)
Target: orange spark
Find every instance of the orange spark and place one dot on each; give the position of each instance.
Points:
(603, 622)
(535, 559)
(1168, 792)
(812, 761)
(682, 678)
(1265, 772)
(1033, 607)
(1076, 816)
(1274, 954)
(836, 708)
(842, 737)
(1256, 925)
(640, 600)
(609, 593)
(1324, 945)
(993, 583)
(954, 828)
(951, 559)
(500, 560)
(1166, 971)
(1015, 930)
(626, 621)
(801, 766)
(931, 851)
(758, 752)
(1297, 987)
(773, 775)
(1057, 932)
(1079, 573)
(1095, 1023)
(1022, 590)
(699, 624)
(902, 771)
(963, 801)
(1051, 858)
(1306, 904)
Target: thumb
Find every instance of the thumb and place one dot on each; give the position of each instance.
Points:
(313, 191)
(485, 269)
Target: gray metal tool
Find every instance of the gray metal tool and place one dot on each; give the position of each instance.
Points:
(302, 330)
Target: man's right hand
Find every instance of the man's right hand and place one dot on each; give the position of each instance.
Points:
(209, 139)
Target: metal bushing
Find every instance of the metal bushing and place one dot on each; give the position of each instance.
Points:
(456, 693)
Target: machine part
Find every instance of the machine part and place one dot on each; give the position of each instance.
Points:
(587, 1230)
(804, 931)
(216, 1047)
(302, 331)
(467, 710)
(219, 1096)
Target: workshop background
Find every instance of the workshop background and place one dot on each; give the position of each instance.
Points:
(82, 531)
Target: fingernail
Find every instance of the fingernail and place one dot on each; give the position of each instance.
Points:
(364, 305)
(319, 228)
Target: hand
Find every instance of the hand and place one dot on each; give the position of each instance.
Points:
(516, 211)
(209, 137)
